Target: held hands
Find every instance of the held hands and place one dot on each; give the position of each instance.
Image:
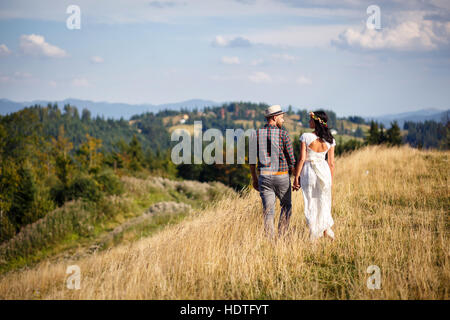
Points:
(255, 184)
(296, 184)
(295, 187)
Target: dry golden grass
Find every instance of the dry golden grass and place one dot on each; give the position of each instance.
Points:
(391, 209)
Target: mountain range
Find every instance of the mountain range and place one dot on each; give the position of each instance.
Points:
(422, 115)
(107, 109)
(125, 110)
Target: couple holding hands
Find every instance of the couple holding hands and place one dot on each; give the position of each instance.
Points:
(313, 172)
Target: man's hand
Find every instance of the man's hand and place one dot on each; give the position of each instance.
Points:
(296, 185)
(255, 185)
(254, 177)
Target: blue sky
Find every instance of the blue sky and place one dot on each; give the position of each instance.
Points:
(309, 54)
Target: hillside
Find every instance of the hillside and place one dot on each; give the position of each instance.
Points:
(390, 208)
(437, 115)
(107, 109)
(81, 227)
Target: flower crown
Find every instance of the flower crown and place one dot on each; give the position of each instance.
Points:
(318, 119)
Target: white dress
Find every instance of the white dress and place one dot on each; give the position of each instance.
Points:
(315, 181)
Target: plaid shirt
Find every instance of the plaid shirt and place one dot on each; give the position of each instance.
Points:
(269, 135)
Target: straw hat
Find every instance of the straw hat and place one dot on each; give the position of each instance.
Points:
(273, 111)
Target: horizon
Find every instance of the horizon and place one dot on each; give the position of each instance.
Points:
(216, 104)
(283, 52)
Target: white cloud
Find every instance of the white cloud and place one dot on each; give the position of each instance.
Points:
(138, 11)
(52, 84)
(165, 4)
(285, 57)
(257, 62)
(413, 34)
(4, 79)
(16, 77)
(36, 45)
(4, 51)
(80, 82)
(97, 59)
(219, 41)
(231, 42)
(230, 60)
(225, 77)
(22, 75)
(260, 77)
(296, 36)
(170, 11)
(302, 80)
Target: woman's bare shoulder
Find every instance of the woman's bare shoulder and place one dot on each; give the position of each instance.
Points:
(306, 136)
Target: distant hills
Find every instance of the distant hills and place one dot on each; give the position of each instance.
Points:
(107, 109)
(437, 115)
(125, 110)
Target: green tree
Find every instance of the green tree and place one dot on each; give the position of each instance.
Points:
(393, 134)
(88, 154)
(3, 137)
(85, 115)
(374, 133)
(9, 185)
(383, 137)
(24, 197)
(445, 143)
(135, 153)
(356, 119)
(359, 133)
(63, 165)
(7, 230)
(290, 111)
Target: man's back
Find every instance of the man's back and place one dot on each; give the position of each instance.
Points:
(274, 144)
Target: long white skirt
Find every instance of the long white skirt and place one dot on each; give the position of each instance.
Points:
(315, 180)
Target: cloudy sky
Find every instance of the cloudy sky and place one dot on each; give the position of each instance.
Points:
(310, 54)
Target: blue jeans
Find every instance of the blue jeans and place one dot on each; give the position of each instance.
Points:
(271, 186)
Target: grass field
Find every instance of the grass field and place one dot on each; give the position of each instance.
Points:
(391, 209)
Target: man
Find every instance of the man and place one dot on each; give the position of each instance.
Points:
(275, 161)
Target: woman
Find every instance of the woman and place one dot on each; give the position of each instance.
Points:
(314, 175)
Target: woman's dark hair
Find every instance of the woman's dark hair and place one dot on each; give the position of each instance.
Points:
(321, 130)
